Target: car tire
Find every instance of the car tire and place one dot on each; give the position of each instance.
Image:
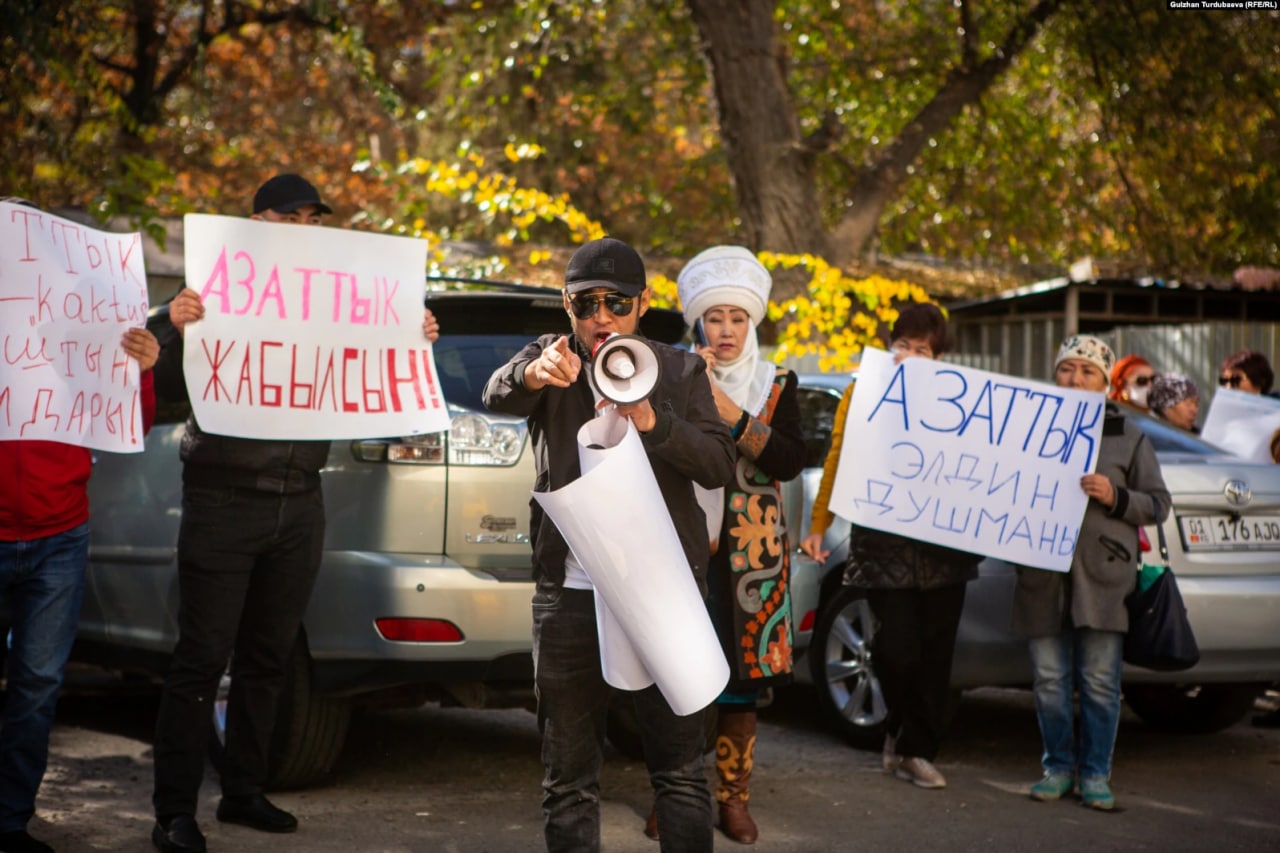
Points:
(849, 693)
(1192, 708)
(310, 731)
(623, 732)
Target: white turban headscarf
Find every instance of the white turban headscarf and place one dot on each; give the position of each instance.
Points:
(732, 275)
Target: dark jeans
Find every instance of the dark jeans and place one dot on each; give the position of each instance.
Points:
(572, 702)
(247, 561)
(913, 647)
(41, 586)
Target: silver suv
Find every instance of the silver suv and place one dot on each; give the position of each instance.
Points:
(425, 583)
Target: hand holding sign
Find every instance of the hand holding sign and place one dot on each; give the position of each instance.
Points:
(185, 308)
(306, 333)
(976, 461)
(1098, 487)
(141, 346)
(430, 328)
(71, 298)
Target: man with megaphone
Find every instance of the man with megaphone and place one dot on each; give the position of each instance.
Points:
(665, 394)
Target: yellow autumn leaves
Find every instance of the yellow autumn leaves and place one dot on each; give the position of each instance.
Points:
(833, 319)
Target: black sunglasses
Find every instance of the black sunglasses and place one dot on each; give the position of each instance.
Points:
(1143, 381)
(585, 305)
(1234, 380)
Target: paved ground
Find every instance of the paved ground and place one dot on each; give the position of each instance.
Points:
(454, 780)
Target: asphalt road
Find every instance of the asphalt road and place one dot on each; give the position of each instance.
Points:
(438, 779)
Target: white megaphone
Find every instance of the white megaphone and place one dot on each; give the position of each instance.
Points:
(625, 369)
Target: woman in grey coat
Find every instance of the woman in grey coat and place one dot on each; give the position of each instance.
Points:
(1076, 621)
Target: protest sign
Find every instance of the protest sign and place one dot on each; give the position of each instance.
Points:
(68, 293)
(1242, 423)
(972, 460)
(308, 332)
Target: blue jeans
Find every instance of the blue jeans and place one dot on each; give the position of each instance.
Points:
(573, 699)
(41, 586)
(1089, 661)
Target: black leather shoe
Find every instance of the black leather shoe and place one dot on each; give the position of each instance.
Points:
(256, 812)
(178, 834)
(19, 841)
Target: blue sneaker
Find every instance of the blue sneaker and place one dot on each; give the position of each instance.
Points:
(1054, 786)
(1096, 794)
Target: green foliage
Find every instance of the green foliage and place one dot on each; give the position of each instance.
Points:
(1122, 131)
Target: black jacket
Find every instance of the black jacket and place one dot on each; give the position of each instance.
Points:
(882, 560)
(280, 467)
(690, 443)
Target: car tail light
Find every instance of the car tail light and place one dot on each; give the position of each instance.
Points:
(419, 630)
(473, 439)
(806, 624)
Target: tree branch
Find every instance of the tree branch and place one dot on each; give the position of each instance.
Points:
(963, 85)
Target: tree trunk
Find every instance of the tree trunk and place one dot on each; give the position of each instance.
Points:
(771, 167)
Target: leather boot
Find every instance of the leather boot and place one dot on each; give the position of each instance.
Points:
(651, 825)
(735, 750)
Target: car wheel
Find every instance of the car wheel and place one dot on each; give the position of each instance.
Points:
(1192, 709)
(843, 673)
(623, 732)
(310, 727)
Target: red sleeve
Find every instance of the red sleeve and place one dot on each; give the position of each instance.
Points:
(148, 388)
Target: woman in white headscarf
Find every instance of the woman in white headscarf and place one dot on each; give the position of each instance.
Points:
(724, 292)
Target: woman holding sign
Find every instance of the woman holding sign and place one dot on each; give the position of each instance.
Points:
(915, 590)
(1076, 621)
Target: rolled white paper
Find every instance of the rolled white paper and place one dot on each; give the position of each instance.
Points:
(655, 626)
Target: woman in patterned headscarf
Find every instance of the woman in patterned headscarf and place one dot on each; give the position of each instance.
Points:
(1176, 399)
(724, 292)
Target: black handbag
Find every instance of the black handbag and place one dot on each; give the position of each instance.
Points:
(1160, 636)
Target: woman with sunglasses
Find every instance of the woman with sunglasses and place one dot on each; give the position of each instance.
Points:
(1131, 380)
(1246, 371)
(724, 292)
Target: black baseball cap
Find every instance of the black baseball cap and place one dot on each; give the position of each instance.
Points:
(606, 262)
(286, 193)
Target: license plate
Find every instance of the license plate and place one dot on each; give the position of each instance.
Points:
(1228, 533)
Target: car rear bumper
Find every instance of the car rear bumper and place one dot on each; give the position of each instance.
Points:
(356, 588)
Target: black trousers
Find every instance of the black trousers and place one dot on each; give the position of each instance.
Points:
(913, 647)
(572, 706)
(247, 561)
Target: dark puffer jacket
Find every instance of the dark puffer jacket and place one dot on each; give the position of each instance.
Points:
(879, 560)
